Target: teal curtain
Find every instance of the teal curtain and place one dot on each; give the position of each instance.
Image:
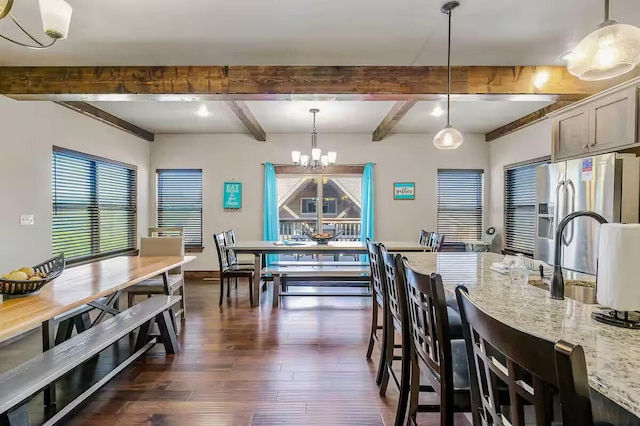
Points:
(271, 220)
(367, 229)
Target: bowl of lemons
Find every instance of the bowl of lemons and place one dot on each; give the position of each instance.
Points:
(30, 279)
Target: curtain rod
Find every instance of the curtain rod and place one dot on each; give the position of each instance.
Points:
(291, 164)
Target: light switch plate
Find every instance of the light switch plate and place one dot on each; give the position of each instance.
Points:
(26, 219)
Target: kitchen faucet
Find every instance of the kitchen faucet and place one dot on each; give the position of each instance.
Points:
(557, 282)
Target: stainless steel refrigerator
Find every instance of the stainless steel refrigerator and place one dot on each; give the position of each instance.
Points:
(607, 184)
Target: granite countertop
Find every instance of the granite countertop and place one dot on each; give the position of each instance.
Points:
(612, 353)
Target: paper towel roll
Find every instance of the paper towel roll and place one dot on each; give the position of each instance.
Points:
(618, 267)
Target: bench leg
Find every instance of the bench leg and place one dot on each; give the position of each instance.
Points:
(15, 417)
(82, 322)
(143, 334)
(65, 329)
(48, 342)
(276, 290)
(168, 332)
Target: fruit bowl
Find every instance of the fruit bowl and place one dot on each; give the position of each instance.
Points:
(323, 238)
(48, 271)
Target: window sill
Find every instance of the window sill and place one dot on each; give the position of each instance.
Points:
(194, 249)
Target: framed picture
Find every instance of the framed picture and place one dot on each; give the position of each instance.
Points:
(232, 195)
(404, 190)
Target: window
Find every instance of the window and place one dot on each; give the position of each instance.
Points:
(519, 207)
(308, 206)
(94, 206)
(460, 204)
(180, 202)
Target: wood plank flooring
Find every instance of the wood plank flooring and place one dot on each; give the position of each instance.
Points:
(302, 364)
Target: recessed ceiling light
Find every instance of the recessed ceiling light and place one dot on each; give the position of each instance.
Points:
(203, 111)
(437, 111)
(541, 79)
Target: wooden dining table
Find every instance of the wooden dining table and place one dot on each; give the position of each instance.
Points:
(260, 248)
(77, 286)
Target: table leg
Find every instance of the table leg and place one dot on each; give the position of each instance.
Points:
(276, 290)
(256, 279)
(48, 342)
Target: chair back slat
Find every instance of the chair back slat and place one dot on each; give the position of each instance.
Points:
(511, 369)
(429, 322)
(436, 240)
(222, 251)
(377, 271)
(394, 287)
(230, 241)
(425, 237)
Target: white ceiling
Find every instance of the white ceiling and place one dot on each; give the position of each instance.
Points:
(334, 116)
(313, 32)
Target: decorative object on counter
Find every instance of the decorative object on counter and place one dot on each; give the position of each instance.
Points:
(519, 273)
(316, 160)
(56, 17)
(610, 51)
(617, 285)
(482, 245)
(30, 280)
(404, 190)
(532, 265)
(232, 195)
(448, 138)
(323, 238)
(557, 282)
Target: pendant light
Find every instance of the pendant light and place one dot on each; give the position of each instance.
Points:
(316, 160)
(56, 18)
(448, 138)
(610, 51)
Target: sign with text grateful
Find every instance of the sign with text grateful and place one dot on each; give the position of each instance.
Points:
(404, 191)
(232, 195)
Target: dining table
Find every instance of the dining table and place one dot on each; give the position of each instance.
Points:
(260, 248)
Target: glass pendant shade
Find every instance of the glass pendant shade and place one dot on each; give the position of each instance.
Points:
(610, 51)
(332, 157)
(448, 138)
(324, 160)
(56, 17)
(295, 156)
(315, 154)
(304, 160)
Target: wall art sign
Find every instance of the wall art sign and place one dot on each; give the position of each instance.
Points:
(232, 195)
(404, 191)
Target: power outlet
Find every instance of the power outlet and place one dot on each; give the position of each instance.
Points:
(26, 220)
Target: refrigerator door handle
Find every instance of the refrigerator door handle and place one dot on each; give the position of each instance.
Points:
(556, 209)
(569, 185)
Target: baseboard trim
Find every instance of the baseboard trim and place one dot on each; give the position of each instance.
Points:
(200, 275)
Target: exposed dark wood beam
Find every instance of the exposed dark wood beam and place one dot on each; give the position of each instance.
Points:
(525, 121)
(242, 111)
(282, 82)
(392, 118)
(110, 119)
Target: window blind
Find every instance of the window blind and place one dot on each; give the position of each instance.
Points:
(180, 202)
(94, 206)
(460, 204)
(519, 208)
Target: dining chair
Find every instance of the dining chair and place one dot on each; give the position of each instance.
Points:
(434, 350)
(379, 297)
(161, 246)
(236, 259)
(530, 369)
(228, 270)
(435, 242)
(425, 237)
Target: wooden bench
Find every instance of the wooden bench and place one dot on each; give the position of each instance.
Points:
(315, 273)
(318, 263)
(18, 385)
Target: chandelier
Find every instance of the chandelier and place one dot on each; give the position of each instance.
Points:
(56, 17)
(316, 159)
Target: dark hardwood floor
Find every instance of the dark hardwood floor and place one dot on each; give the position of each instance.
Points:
(302, 364)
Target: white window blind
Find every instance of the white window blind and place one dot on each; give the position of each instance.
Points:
(460, 204)
(519, 208)
(94, 206)
(180, 202)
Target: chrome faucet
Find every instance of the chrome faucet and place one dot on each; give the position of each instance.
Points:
(557, 282)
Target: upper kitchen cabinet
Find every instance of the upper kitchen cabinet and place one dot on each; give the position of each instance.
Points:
(602, 123)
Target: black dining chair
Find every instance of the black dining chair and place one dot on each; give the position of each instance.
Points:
(228, 270)
(436, 241)
(377, 278)
(434, 350)
(425, 237)
(511, 369)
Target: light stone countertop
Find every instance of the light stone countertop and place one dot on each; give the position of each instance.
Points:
(612, 353)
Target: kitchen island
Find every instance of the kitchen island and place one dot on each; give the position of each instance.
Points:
(612, 353)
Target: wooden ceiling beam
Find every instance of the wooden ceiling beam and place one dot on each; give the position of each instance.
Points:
(278, 82)
(107, 118)
(399, 110)
(525, 121)
(244, 114)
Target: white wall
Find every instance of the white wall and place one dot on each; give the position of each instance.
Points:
(526, 144)
(239, 157)
(29, 131)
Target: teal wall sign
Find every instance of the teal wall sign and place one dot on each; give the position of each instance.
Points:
(404, 191)
(232, 195)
